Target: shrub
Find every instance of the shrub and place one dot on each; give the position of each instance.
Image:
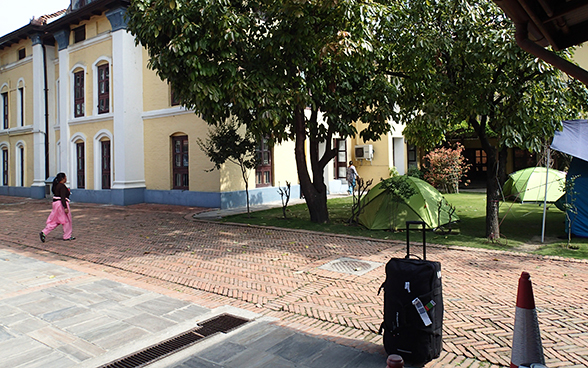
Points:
(415, 172)
(445, 167)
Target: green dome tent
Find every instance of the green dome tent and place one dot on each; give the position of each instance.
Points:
(528, 185)
(383, 210)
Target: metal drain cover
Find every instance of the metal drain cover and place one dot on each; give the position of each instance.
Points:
(222, 323)
(350, 266)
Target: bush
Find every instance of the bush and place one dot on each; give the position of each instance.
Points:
(445, 167)
(415, 172)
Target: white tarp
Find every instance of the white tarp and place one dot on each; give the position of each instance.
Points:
(573, 139)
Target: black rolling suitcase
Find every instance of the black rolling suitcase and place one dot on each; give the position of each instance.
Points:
(413, 307)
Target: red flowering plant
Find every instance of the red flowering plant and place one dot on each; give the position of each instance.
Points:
(445, 168)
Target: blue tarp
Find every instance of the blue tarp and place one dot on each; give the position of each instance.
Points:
(579, 221)
(573, 140)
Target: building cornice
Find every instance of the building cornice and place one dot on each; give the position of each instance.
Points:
(16, 64)
(17, 131)
(91, 119)
(166, 113)
(89, 42)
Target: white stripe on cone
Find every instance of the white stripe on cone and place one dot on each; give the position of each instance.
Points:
(526, 340)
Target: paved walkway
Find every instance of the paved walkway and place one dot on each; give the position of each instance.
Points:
(281, 275)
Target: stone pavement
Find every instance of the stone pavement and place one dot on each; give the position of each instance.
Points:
(281, 275)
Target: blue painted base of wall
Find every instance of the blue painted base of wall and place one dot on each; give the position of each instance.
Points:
(183, 198)
(91, 196)
(256, 196)
(38, 192)
(120, 197)
(15, 191)
(125, 197)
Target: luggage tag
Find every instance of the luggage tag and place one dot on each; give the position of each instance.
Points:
(422, 312)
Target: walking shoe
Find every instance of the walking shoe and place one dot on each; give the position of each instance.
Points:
(70, 238)
(42, 236)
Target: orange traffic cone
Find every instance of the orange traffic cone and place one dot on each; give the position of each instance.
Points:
(526, 340)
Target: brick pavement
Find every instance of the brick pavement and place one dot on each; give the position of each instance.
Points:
(274, 272)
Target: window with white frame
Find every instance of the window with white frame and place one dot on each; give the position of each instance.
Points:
(4, 108)
(180, 163)
(264, 170)
(20, 101)
(20, 164)
(81, 164)
(103, 89)
(4, 165)
(102, 157)
(105, 163)
(79, 106)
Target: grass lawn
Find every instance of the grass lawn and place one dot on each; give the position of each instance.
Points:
(520, 225)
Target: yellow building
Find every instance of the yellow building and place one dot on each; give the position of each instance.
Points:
(77, 97)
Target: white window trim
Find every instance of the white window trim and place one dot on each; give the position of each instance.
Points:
(72, 91)
(98, 158)
(17, 163)
(57, 101)
(20, 118)
(4, 89)
(4, 146)
(95, 83)
(74, 160)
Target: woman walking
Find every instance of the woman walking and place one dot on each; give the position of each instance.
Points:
(60, 213)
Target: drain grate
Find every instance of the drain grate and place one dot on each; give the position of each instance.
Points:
(350, 266)
(222, 323)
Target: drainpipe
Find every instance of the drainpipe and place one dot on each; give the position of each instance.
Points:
(521, 35)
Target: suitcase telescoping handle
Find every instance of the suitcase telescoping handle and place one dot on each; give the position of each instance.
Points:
(422, 223)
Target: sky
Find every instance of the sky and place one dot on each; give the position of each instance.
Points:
(15, 14)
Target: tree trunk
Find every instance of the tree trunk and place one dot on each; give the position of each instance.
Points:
(492, 178)
(492, 197)
(245, 181)
(314, 191)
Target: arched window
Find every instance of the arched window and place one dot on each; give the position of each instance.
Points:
(102, 100)
(20, 164)
(79, 91)
(78, 142)
(180, 162)
(20, 103)
(81, 164)
(4, 163)
(4, 106)
(103, 160)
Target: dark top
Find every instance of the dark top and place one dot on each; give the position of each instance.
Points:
(60, 190)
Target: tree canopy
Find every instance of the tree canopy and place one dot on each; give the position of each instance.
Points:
(288, 69)
(465, 70)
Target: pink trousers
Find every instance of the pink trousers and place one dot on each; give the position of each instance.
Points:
(59, 217)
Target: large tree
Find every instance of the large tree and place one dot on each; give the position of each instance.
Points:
(288, 69)
(465, 70)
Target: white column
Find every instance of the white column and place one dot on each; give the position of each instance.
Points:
(38, 113)
(64, 92)
(127, 83)
(51, 100)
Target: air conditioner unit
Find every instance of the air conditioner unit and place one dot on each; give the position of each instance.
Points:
(364, 152)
